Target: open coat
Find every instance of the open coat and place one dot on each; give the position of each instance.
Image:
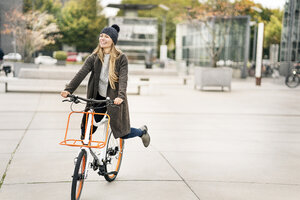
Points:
(119, 115)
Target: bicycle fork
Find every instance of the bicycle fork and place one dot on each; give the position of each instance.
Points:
(92, 158)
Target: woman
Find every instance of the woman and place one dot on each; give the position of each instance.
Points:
(109, 74)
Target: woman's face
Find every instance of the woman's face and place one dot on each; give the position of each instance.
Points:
(105, 41)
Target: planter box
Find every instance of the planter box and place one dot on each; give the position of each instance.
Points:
(61, 62)
(213, 77)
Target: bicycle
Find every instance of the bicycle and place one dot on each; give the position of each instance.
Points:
(292, 80)
(7, 69)
(107, 161)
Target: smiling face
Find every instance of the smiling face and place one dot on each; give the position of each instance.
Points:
(105, 41)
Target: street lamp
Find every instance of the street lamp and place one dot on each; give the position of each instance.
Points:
(259, 47)
(162, 6)
(163, 47)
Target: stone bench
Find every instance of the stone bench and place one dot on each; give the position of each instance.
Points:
(56, 86)
(56, 73)
(54, 79)
(35, 85)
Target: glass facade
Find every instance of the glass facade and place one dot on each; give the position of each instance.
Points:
(137, 37)
(194, 42)
(290, 36)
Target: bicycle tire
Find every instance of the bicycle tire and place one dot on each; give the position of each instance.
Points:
(292, 80)
(113, 162)
(78, 176)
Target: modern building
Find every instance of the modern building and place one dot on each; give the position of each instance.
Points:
(7, 40)
(290, 36)
(194, 41)
(138, 35)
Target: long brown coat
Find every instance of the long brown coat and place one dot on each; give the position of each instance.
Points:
(120, 122)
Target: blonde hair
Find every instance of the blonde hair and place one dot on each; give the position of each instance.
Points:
(114, 55)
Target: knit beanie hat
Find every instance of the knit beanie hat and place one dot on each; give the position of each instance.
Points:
(112, 32)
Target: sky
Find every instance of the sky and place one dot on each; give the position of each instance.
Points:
(109, 12)
(266, 3)
(271, 3)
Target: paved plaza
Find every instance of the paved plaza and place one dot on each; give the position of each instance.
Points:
(211, 145)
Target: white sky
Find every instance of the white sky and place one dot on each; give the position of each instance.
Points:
(271, 3)
(109, 12)
(266, 3)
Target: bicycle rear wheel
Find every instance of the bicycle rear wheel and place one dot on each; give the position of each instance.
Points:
(114, 154)
(78, 176)
(292, 80)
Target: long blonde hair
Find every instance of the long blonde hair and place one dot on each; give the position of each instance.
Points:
(114, 55)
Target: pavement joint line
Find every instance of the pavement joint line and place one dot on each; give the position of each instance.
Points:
(145, 180)
(179, 175)
(187, 113)
(92, 181)
(229, 152)
(246, 182)
(15, 150)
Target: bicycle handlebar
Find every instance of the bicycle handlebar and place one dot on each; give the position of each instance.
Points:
(75, 99)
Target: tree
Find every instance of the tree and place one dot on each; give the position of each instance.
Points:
(215, 16)
(273, 30)
(50, 6)
(80, 24)
(32, 31)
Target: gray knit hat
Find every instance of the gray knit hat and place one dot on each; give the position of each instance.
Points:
(112, 32)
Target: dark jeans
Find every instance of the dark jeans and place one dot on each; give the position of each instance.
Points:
(134, 132)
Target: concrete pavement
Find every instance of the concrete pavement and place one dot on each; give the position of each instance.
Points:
(243, 144)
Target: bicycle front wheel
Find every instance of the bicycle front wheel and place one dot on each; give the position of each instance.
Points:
(78, 176)
(114, 154)
(292, 80)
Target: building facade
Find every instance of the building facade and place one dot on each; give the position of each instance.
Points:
(290, 36)
(137, 38)
(194, 43)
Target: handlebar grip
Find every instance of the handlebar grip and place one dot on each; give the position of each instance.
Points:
(110, 101)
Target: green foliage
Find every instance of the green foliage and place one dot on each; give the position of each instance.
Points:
(80, 24)
(49, 6)
(273, 30)
(60, 55)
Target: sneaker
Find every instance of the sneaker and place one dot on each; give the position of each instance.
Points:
(145, 137)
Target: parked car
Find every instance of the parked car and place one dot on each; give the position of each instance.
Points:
(12, 56)
(46, 60)
(74, 58)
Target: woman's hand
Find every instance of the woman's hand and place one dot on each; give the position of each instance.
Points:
(64, 94)
(118, 101)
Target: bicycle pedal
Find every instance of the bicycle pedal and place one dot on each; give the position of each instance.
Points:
(101, 173)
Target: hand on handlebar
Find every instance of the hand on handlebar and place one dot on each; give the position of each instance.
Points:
(64, 94)
(118, 101)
